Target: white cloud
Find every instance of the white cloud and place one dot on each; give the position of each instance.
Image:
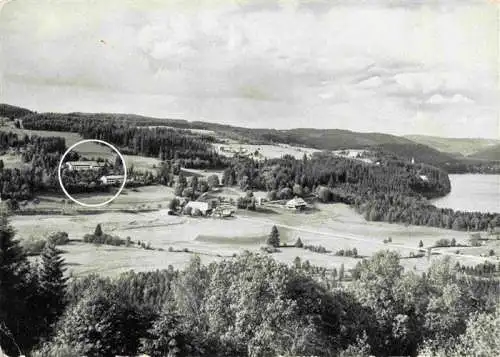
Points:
(312, 63)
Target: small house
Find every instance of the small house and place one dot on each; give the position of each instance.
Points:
(424, 178)
(83, 165)
(297, 203)
(203, 207)
(224, 211)
(111, 180)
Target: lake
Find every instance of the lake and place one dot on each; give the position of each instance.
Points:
(472, 192)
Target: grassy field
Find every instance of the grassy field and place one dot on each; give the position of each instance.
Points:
(333, 226)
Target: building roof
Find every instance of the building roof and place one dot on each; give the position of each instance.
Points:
(115, 177)
(202, 206)
(84, 163)
(297, 201)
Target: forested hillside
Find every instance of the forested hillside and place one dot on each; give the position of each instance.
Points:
(12, 112)
(395, 191)
(433, 151)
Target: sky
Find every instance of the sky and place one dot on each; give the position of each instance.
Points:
(400, 67)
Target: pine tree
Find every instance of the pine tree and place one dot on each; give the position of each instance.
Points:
(420, 244)
(298, 243)
(15, 284)
(341, 272)
(274, 237)
(98, 230)
(52, 284)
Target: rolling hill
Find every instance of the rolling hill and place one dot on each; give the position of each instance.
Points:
(421, 153)
(12, 112)
(491, 153)
(441, 152)
(455, 146)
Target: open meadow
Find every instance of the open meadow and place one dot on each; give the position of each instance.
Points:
(175, 239)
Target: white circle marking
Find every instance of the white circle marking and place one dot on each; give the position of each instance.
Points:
(88, 204)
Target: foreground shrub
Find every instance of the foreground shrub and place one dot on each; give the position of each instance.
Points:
(99, 325)
(58, 238)
(480, 339)
(33, 246)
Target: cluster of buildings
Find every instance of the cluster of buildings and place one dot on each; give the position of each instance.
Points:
(94, 166)
(207, 209)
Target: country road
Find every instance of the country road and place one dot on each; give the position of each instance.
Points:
(357, 238)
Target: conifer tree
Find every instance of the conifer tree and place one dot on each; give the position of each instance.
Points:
(274, 237)
(298, 243)
(52, 284)
(98, 230)
(15, 290)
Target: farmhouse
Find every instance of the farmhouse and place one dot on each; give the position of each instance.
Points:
(224, 211)
(297, 203)
(203, 207)
(112, 179)
(83, 165)
(424, 178)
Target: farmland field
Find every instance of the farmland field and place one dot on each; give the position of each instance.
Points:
(334, 227)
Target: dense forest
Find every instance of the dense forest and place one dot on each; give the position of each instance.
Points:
(395, 191)
(188, 149)
(249, 305)
(12, 112)
(323, 139)
(392, 191)
(41, 156)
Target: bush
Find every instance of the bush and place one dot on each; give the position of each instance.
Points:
(442, 243)
(347, 253)
(475, 242)
(316, 248)
(58, 238)
(33, 246)
(269, 249)
(103, 239)
(55, 351)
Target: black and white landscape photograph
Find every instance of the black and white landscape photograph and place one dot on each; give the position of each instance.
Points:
(249, 178)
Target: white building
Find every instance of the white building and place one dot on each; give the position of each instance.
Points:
(224, 211)
(203, 207)
(83, 165)
(112, 179)
(297, 203)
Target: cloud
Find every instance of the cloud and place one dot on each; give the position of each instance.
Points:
(273, 63)
(455, 99)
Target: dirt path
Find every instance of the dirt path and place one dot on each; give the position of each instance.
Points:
(355, 238)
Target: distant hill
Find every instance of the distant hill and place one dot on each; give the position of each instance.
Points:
(455, 146)
(491, 153)
(433, 150)
(326, 139)
(421, 153)
(12, 112)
